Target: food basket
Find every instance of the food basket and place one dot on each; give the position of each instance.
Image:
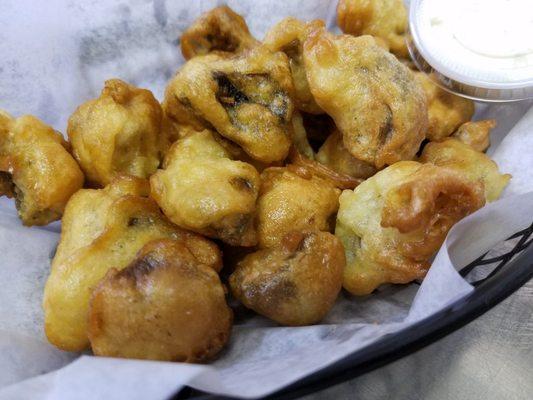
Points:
(138, 42)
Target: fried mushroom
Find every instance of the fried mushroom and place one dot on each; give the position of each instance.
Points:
(476, 134)
(220, 29)
(334, 155)
(103, 229)
(394, 222)
(165, 305)
(122, 131)
(202, 189)
(384, 19)
(288, 202)
(245, 98)
(376, 103)
(470, 163)
(446, 111)
(288, 36)
(295, 282)
(36, 169)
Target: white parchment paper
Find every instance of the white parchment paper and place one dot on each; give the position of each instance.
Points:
(57, 54)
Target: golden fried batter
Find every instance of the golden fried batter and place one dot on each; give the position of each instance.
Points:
(299, 137)
(165, 305)
(384, 19)
(470, 163)
(288, 36)
(376, 103)
(294, 283)
(306, 168)
(245, 98)
(119, 132)
(476, 134)
(393, 223)
(36, 168)
(220, 29)
(334, 155)
(202, 189)
(104, 229)
(446, 111)
(289, 202)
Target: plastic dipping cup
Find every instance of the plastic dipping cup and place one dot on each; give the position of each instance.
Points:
(481, 49)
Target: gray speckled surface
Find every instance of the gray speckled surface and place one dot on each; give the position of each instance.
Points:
(491, 359)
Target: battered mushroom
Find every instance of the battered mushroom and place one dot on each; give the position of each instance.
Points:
(36, 169)
(376, 103)
(289, 202)
(385, 19)
(476, 134)
(394, 222)
(294, 283)
(119, 132)
(245, 98)
(334, 155)
(288, 36)
(470, 163)
(446, 111)
(202, 189)
(220, 29)
(165, 305)
(103, 229)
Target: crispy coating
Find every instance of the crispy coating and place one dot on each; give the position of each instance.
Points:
(476, 134)
(294, 283)
(289, 202)
(446, 111)
(220, 29)
(246, 98)
(306, 168)
(376, 103)
(288, 36)
(36, 169)
(393, 223)
(470, 163)
(103, 229)
(202, 189)
(299, 137)
(119, 132)
(237, 153)
(384, 19)
(165, 305)
(334, 155)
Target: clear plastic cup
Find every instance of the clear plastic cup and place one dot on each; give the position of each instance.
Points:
(481, 49)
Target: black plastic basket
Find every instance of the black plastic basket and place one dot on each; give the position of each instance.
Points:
(503, 275)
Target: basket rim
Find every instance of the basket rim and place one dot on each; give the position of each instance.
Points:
(486, 294)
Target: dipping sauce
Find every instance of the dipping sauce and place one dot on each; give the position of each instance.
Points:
(481, 48)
